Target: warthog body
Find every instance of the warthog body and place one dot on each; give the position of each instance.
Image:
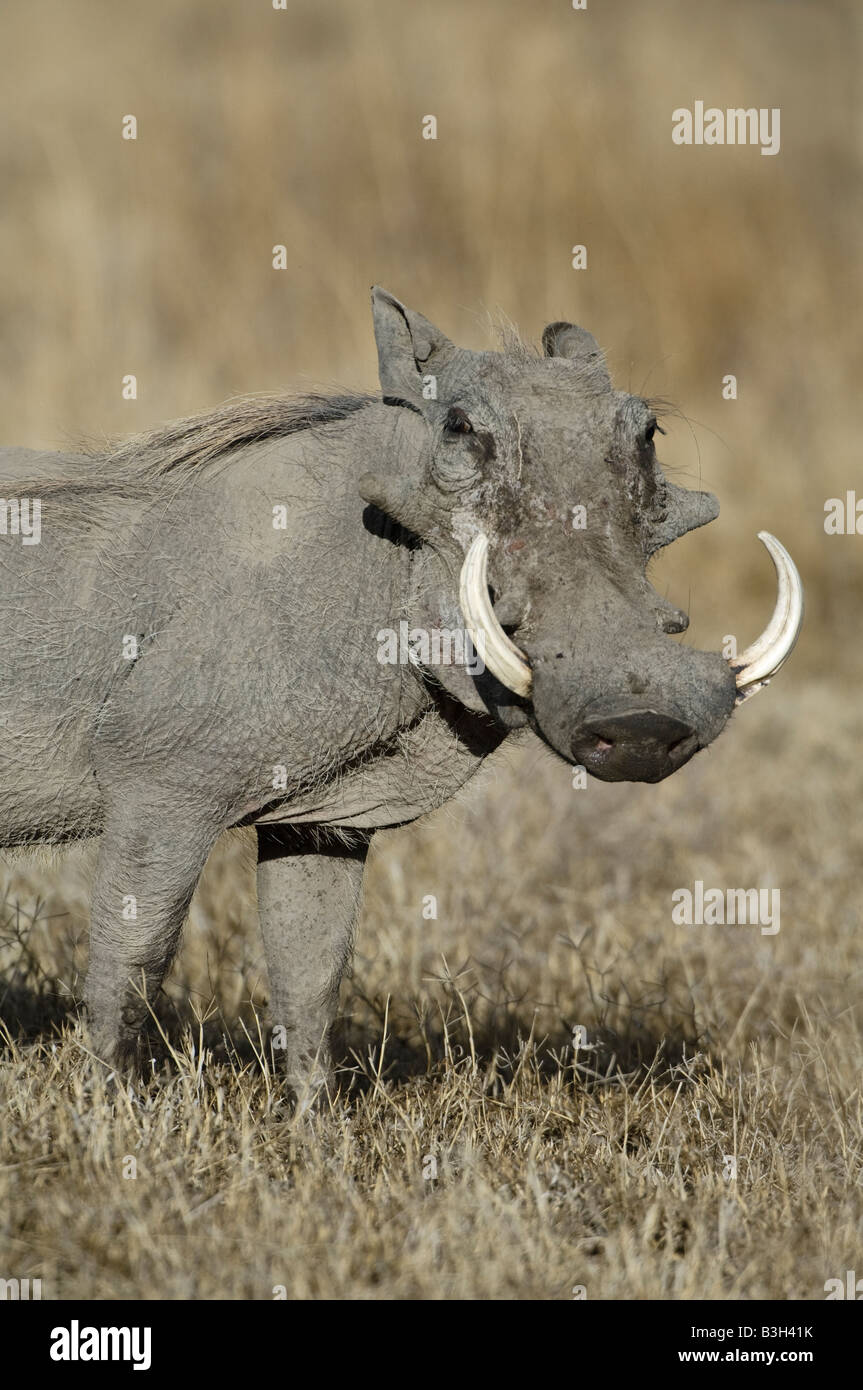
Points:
(196, 641)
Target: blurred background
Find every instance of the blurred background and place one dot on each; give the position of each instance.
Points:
(304, 127)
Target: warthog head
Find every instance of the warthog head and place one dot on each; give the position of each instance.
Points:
(540, 480)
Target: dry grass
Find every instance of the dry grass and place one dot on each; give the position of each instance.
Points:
(605, 1169)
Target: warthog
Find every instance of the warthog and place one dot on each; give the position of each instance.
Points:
(199, 639)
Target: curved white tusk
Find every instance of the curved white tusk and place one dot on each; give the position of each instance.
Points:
(501, 656)
(755, 667)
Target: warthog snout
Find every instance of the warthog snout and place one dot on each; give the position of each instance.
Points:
(620, 743)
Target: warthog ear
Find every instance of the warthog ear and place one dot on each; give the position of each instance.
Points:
(568, 340)
(409, 349)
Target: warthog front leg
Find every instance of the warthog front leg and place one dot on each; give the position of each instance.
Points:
(148, 869)
(309, 889)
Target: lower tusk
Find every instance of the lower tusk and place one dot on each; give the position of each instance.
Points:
(501, 656)
(755, 667)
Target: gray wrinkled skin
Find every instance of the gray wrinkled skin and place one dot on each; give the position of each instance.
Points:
(258, 650)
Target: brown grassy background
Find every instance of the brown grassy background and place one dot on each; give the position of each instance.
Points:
(154, 257)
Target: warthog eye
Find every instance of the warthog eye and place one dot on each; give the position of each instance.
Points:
(651, 430)
(458, 421)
